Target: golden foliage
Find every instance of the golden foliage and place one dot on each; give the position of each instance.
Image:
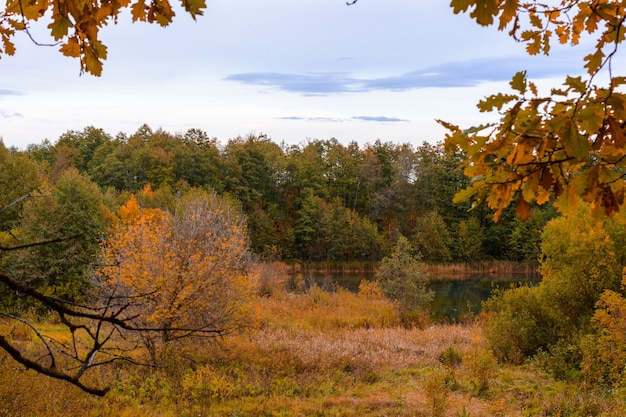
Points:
(185, 273)
(605, 354)
(76, 24)
(569, 144)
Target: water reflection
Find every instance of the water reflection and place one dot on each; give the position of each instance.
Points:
(454, 299)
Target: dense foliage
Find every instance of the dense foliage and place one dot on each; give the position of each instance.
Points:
(568, 143)
(568, 321)
(317, 201)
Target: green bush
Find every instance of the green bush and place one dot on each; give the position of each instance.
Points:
(518, 324)
(580, 261)
(402, 279)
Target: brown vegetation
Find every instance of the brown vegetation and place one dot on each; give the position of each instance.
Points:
(317, 353)
(497, 269)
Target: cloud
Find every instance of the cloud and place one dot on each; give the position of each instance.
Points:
(6, 115)
(384, 119)
(313, 119)
(308, 84)
(5, 92)
(447, 75)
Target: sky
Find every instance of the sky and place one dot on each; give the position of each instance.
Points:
(292, 70)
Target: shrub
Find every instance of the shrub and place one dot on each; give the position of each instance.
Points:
(205, 384)
(437, 387)
(604, 351)
(450, 357)
(518, 324)
(481, 365)
(402, 279)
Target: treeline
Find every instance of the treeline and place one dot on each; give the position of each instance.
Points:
(317, 201)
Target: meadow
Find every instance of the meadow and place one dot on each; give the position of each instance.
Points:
(316, 353)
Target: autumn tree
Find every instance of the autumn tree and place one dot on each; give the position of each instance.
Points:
(75, 26)
(47, 253)
(184, 274)
(569, 144)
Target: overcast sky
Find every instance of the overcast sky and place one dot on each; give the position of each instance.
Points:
(294, 70)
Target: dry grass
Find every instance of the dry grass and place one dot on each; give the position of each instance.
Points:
(318, 354)
(498, 269)
(318, 309)
(386, 348)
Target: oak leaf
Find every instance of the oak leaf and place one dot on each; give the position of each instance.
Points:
(71, 48)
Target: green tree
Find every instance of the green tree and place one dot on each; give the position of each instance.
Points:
(432, 238)
(344, 178)
(19, 176)
(306, 169)
(81, 146)
(525, 237)
(197, 160)
(71, 211)
(578, 265)
(253, 169)
(401, 278)
(468, 244)
(437, 180)
(304, 236)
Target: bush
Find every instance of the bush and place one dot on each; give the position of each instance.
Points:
(450, 357)
(518, 325)
(205, 384)
(579, 264)
(402, 279)
(604, 351)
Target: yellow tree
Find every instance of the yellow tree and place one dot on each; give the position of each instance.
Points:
(183, 274)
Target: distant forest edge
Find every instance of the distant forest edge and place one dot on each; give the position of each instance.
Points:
(498, 269)
(317, 202)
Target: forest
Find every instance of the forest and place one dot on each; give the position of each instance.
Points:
(153, 270)
(153, 273)
(320, 201)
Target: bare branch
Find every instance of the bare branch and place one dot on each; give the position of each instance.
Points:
(22, 198)
(51, 372)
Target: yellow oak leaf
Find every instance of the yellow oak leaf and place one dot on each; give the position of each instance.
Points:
(59, 26)
(92, 62)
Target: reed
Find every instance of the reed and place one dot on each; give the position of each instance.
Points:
(334, 267)
(498, 269)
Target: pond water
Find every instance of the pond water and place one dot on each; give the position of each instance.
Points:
(454, 298)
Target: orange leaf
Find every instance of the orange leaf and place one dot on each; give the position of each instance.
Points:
(522, 208)
(71, 48)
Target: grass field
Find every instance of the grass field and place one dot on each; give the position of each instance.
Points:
(317, 353)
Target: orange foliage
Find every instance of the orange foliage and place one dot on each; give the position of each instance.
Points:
(186, 273)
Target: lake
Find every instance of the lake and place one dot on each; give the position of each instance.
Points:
(454, 298)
